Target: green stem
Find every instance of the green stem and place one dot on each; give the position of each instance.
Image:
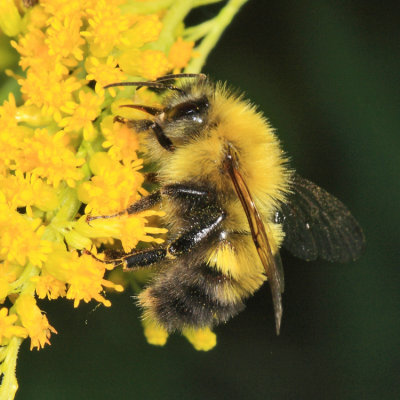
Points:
(199, 3)
(221, 21)
(23, 282)
(133, 7)
(9, 384)
(69, 206)
(174, 17)
(197, 32)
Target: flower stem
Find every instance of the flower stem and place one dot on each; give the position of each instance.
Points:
(197, 32)
(174, 17)
(9, 384)
(221, 21)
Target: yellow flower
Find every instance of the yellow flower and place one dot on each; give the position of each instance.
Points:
(64, 39)
(180, 54)
(113, 187)
(133, 229)
(36, 324)
(106, 27)
(63, 8)
(9, 143)
(50, 157)
(82, 114)
(48, 90)
(122, 143)
(83, 275)
(35, 52)
(103, 72)
(26, 190)
(8, 329)
(20, 238)
(48, 286)
(86, 280)
(147, 63)
(146, 28)
(9, 273)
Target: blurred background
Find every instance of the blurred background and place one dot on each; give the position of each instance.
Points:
(326, 73)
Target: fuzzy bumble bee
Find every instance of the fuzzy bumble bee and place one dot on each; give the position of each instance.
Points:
(231, 203)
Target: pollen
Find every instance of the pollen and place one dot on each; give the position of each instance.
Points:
(154, 333)
(201, 339)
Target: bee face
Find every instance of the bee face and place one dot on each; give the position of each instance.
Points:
(185, 117)
(194, 111)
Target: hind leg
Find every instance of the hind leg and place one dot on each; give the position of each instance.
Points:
(155, 334)
(201, 339)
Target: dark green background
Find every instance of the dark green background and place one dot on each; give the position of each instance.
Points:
(326, 73)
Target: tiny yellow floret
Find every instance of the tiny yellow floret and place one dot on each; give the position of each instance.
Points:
(8, 329)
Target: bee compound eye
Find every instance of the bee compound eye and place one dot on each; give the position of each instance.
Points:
(193, 110)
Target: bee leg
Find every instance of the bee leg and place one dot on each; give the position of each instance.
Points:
(193, 196)
(202, 339)
(155, 334)
(144, 258)
(207, 224)
(145, 203)
(188, 240)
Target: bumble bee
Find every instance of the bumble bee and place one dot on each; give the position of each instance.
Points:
(231, 203)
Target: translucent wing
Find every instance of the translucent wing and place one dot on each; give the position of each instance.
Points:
(267, 250)
(317, 224)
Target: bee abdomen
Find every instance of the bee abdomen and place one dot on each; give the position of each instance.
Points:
(193, 297)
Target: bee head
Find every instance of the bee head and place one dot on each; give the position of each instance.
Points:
(186, 112)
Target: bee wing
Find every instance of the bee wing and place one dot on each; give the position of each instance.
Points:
(317, 224)
(266, 248)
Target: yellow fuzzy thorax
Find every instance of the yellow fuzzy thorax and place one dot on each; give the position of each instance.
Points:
(261, 161)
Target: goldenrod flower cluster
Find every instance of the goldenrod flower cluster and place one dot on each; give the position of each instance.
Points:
(63, 157)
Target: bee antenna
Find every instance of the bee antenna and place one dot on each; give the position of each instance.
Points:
(180, 76)
(155, 85)
(158, 83)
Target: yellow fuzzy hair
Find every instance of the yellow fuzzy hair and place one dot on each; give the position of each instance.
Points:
(262, 165)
